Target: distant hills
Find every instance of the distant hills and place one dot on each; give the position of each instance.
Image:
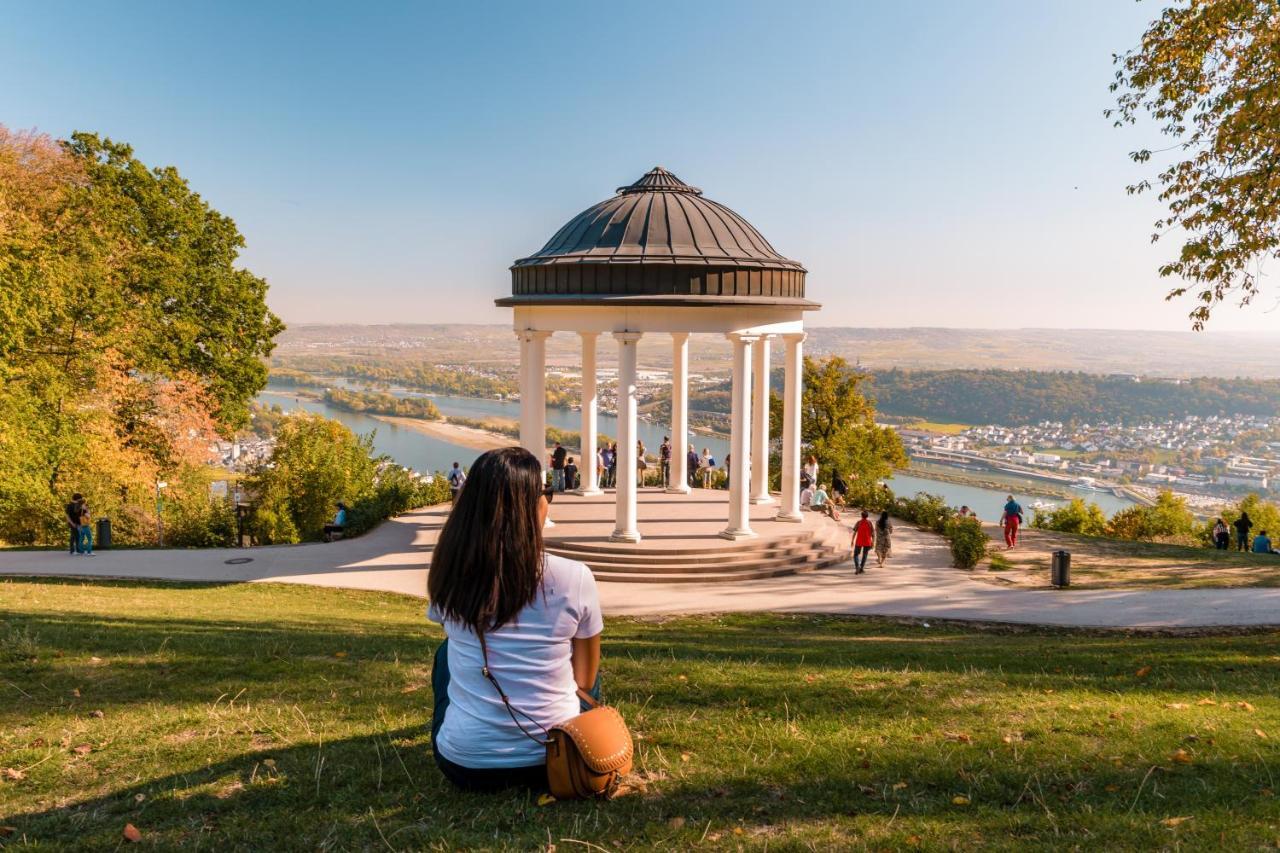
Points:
(1142, 353)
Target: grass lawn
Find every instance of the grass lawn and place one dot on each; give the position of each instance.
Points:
(262, 717)
(1101, 563)
(938, 427)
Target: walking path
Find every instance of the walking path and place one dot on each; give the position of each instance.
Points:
(918, 582)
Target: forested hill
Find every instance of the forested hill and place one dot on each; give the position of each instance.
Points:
(1017, 397)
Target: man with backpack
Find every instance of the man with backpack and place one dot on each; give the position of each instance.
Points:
(456, 479)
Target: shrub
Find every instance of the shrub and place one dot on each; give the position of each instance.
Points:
(1168, 521)
(1075, 517)
(968, 541)
(925, 510)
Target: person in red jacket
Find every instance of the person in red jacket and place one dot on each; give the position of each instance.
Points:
(864, 537)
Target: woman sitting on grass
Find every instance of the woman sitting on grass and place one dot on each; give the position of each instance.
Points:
(540, 619)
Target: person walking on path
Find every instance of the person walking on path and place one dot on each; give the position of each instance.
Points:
(884, 538)
(1243, 525)
(85, 542)
(456, 478)
(664, 456)
(506, 605)
(1221, 535)
(73, 521)
(864, 534)
(557, 467)
(1011, 520)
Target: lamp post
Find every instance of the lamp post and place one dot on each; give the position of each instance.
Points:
(160, 484)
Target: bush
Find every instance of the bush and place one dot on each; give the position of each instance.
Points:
(1168, 521)
(924, 510)
(396, 491)
(1075, 517)
(968, 541)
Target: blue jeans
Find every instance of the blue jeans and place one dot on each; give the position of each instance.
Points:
(557, 479)
(84, 542)
(481, 778)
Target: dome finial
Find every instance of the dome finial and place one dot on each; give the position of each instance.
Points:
(660, 180)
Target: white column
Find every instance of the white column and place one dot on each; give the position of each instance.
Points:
(533, 393)
(590, 431)
(625, 529)
(679, 414)
(760, 425)
(791, 397)
(739, 507)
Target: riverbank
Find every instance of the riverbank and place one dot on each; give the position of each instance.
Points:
(462, 436)
(978, 481)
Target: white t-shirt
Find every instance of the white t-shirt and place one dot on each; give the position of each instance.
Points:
(530, 657)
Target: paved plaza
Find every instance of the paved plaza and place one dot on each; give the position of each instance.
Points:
(918, 582)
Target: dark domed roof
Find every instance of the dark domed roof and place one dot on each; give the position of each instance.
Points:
(657, 237)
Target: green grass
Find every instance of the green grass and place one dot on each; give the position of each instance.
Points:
(261, 717)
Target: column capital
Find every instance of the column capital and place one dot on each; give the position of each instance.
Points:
(627, 337)
(588, 335)
(679, 337)
(742, 337)
(532, 335)
(794, 337)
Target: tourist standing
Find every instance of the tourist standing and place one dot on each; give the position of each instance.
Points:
(601, 466)
(557, 467)
(884, 538)
(1011, 520)
(642, 465)
(570, 474)
(613, 465)
(1243, 525)
(538, 615)
(73, 520)
(456, 479)
(85, 542)
(706, 465)
(864, 535)
(664, 456)
(1221, 535)
(691, 464)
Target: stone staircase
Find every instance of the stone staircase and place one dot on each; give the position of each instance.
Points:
(813, 546)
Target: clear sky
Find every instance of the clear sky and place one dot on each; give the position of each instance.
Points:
(932, 163)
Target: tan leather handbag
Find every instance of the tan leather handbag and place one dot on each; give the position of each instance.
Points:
(587, 755)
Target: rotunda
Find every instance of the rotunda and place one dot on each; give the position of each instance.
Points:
(661, 258)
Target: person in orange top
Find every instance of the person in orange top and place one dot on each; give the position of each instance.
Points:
(864, 537)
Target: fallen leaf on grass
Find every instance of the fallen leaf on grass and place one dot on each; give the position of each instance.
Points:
(684, 756)
(97, 715)
(676, 823)
(1114, 715)
(682, 678)
(898, 786)
(82, 749)
(339, 654)
(1245, 706)
(1178, 706)
(95, 660)
(959, 801)
(1206, 702)
(12, 774)
(1181, 756)
(545, 799)
(1174, 821)
(914, 840)
(1111, 789)
(958, 737)
(737, 830)
(269, 762)
(75, 691)
(1143, 672)
(131, 833)
(1260, 733)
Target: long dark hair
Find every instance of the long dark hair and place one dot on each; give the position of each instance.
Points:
(883, 521)
(487, 563)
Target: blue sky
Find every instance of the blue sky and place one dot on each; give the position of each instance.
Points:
(932, 163)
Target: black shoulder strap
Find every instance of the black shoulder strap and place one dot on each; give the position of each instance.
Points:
(511, 710)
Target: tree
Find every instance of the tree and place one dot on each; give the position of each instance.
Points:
(1074, 517)
(317, 462)
(837, 423)
(1206, 73)
(1170, 520)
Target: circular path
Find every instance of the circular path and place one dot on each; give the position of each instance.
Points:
(918, 582)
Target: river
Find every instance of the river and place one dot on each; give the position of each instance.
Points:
(422, 452)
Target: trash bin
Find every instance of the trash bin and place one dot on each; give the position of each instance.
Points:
(1060, 569)
(104, 534)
